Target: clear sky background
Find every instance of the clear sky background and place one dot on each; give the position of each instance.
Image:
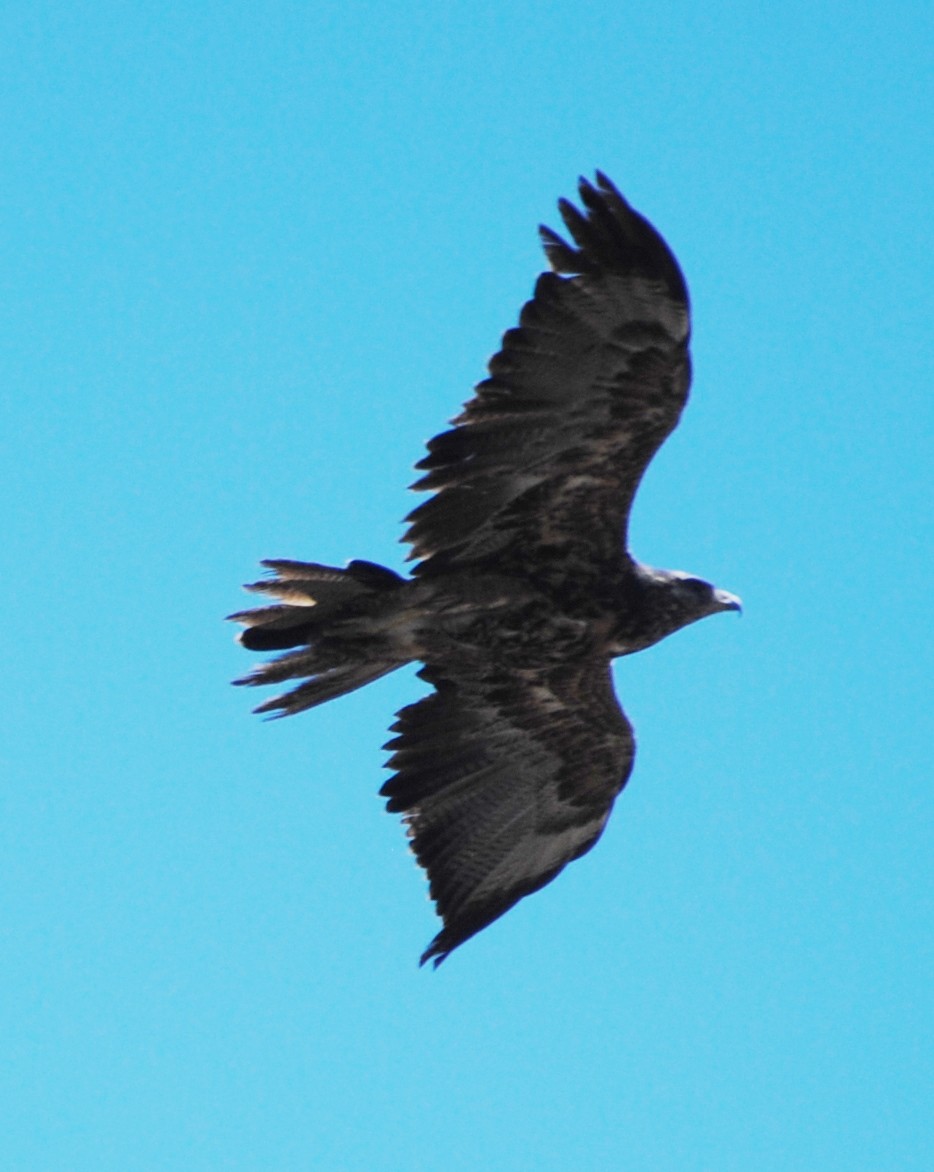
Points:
(251, 258)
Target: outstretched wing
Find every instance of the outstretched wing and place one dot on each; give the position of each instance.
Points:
(503, 780)
(547, 456)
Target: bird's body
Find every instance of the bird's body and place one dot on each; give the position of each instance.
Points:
(524, 589)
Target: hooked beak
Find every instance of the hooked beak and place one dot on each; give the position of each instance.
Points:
(727, 601)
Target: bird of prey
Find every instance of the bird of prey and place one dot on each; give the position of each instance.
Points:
(524, 588)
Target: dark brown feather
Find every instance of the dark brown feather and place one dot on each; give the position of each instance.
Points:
(581, 395)
(524, 587)
(504, 780)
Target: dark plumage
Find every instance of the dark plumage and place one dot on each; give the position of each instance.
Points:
(523, 589)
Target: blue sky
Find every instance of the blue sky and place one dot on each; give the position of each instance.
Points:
(252, 257)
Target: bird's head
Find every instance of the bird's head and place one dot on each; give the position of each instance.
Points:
(667, 600)
(694, 596)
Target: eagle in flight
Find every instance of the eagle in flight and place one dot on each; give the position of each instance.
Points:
(523, 588)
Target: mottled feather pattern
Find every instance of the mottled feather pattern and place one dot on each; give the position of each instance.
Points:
(490, 778)
(599, 364)
(524, 588)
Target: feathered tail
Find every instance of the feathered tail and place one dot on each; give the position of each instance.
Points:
(331, 618)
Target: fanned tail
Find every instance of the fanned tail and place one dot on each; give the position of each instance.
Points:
(326, 620)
